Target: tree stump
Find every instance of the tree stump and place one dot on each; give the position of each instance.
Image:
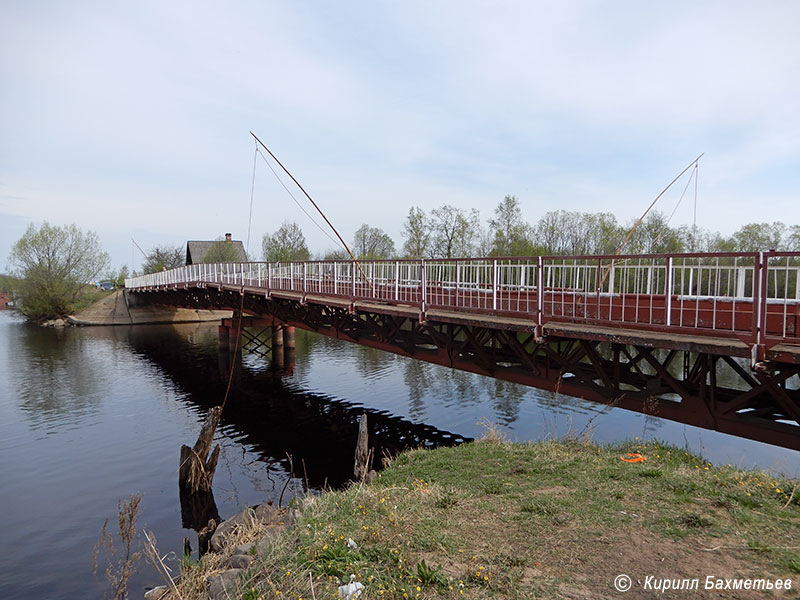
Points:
(196, 471)
(361, 468)
(204, 536)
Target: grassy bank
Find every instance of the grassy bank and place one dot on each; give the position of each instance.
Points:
(544, 520)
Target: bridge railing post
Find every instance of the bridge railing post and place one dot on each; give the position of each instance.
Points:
(336, 279)
(494, 284)
(423, 284)
(353, 279)
(540, 291)
(760, 283)
(597, 287)
(668, 293)
(396, 281)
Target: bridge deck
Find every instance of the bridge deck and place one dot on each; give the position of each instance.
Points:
(750, 297)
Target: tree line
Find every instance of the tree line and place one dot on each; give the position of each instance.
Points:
(52, 265)
(452, 232)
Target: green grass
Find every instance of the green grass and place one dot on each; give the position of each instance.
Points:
(544, 520)
(89, 295)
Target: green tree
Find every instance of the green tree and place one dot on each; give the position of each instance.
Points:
(568, 232)
(336, 254)
(417, 233)
(55, 264)
(287, 244)
(453, 232)
(759, 237)
(118, 277)
(9, 283)
(372, 243)
(163, 257)
(699, 239)
(653, 236)
(604, 234)
(793, 239)
(222, 251)
(510, 234)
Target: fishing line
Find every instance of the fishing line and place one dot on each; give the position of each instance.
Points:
(319, 210)
(694, 221)
(296, 201)
(674, 210)
(653, 203)
(252, 192)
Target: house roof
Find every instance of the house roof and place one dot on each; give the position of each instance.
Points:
(196, 250)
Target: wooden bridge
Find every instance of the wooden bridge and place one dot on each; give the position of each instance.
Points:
(710, 340)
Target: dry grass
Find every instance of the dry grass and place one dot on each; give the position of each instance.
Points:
(123, 556)
(493, 432)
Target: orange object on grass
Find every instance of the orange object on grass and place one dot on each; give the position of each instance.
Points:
(634, 457)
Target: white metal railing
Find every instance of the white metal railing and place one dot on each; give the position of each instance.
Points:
(755, 294)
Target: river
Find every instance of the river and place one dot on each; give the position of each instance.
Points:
(89, 416)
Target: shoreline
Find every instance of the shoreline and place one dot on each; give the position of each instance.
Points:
(114, 309)
(553, 519)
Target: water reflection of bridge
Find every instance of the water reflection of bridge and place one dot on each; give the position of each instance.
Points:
(709, 340)
(273, 419)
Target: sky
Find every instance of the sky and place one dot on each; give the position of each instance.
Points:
(132, 119)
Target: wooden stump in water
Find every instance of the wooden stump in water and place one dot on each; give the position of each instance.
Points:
(196, 471)
(363, 455)
(204, 536)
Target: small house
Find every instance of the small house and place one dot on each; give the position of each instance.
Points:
(227, 250)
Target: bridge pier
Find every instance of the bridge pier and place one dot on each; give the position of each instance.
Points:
(288, 349)
(278, 360)
(288, 336)
(234, 337)
(288, 359)
(277, 337)
(281, 340)
(223, 336)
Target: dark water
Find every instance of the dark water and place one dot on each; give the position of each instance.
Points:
(89, 416)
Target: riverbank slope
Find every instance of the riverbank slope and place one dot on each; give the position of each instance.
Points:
(545, 520)
(114, 310)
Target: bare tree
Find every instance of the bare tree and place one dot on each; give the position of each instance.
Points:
(372, 243)
(575, 233)
(453, 232)
(653, 236)
(417, 233)
(163, 257)
(335, 254)
(511, 235)
(793, 239)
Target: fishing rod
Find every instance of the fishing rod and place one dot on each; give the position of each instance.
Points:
(652, 204)
(319, 210)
